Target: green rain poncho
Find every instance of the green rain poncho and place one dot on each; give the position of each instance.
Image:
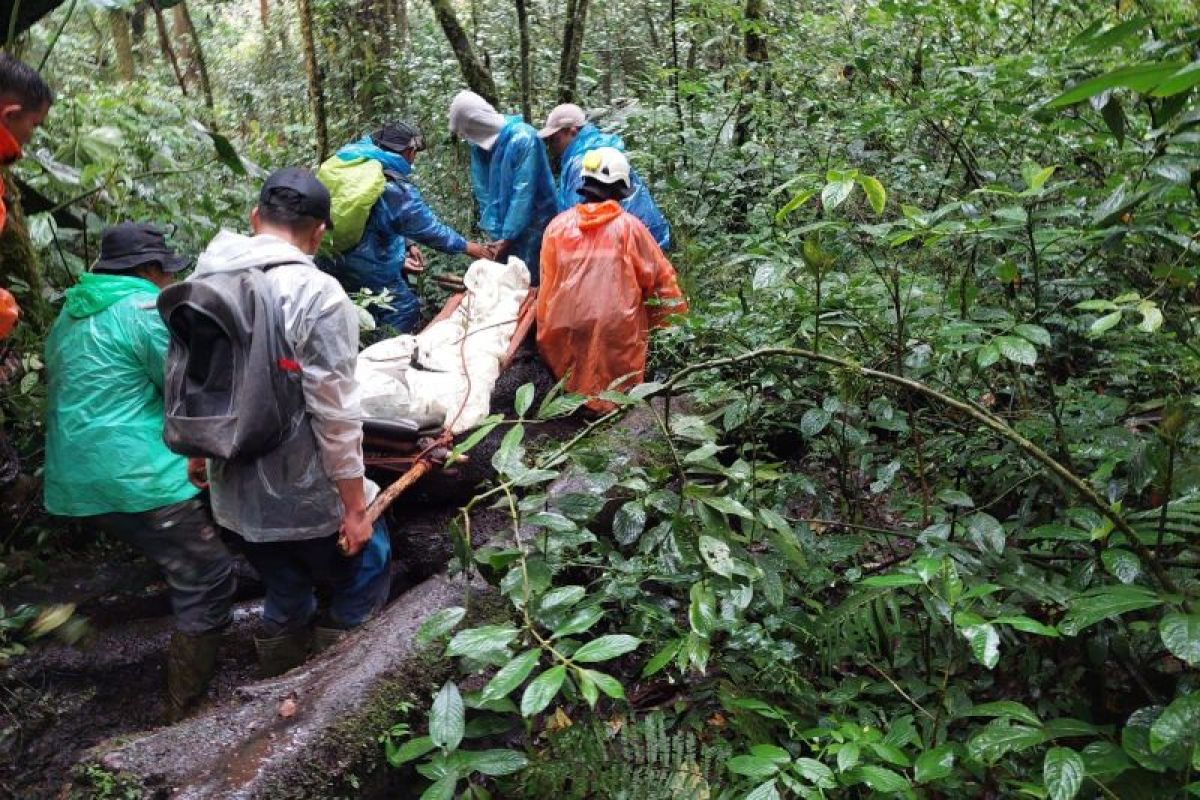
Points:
(104, 359)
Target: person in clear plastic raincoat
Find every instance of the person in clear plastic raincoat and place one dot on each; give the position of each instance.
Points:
(569, 135)
(510, 176)
(301, 509)
(105, 457)
(394, 217)
(605, 284)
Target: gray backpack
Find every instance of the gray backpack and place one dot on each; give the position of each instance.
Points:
(232, 388)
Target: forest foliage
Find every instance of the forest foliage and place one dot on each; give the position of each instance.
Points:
(922, 517)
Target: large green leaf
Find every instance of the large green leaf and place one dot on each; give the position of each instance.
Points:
(439, 624)
(1179, 724)
(1000, 738)
(1004, 709)
(752, 766)
(481, 642)
(1017, 350)
(876, 194)
(1106, 603)
(935, 764)
(447, 717)
(409, 751)
(541, 690)
(716, 554)
(1181, 634)
(606, 647)
(493, 762)
(882, 779)
(1139, 77)
(1181, 81)
(1063, 772)
(510, 676)
(834, 194)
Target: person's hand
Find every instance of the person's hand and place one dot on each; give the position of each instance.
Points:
(355, 532)
(499, 249)
(197, 472)
(414, 260)
(477, 250)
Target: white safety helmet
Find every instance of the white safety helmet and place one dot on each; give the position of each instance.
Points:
(607, 165)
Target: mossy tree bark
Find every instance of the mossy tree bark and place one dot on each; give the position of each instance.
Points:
(19, 263)
(526, 65)
(118, 25)
(476, 74)
(756, 76)
(572, 50)
(316, 89)
(185, 17)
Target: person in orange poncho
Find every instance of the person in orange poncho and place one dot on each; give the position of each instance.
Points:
(24, 102)
(605, 284)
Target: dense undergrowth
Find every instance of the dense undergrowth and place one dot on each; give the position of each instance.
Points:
(926, 521)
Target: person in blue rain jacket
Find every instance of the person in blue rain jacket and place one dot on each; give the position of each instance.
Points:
(569, 136)
(510, 175)
(399, 220)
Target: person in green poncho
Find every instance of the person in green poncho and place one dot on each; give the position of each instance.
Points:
(105, 458)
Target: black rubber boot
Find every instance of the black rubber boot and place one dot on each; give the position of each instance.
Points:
(191, 662)
(324, 638)
(278, 654)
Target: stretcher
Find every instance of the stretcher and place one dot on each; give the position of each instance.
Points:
(405, 450)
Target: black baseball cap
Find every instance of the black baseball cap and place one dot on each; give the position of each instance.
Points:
(398, 137)
(297, 192)
(130, 245)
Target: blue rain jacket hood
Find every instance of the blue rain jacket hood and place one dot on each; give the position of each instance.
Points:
(515, 190)
(639, 203)
(104, 417)
(400, 217)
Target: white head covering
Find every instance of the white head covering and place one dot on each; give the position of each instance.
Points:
(474, 119)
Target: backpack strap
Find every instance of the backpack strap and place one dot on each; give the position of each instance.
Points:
(396, 177)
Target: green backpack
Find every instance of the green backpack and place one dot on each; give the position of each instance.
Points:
(354, 187)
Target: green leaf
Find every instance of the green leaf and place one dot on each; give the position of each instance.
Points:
(1113, 115)
(834, 194)
(607, 683)
(1139, 77)
(447, 717)
(935, 764)
(475, 438)
(702, 611)
(1104, 323)
(523, 399)
(752, 766)
(1036, 177)
(629, 522)
(876, 194)
(773, 752)
(1104, 760)
(510, 676)
(1034, 333)
(986, 532)
(1181, 634)
(1181, 81)
(1063, 773)
(579, 621)
(985, 643)
(1000, 738)
(442, 789)
(848, 756)
(727, 505)
(493, 762)
(1121, 564)
(1005, 709)
(1017, 350)
(1179, 724)
(439, 624)
(662, 658)
(606, 647)
(562, 597)
(541, 691)
(1152, 317)
(893, 580)
(716, 554)
(814, 421)
(814, 772)
(481, 642)
(1105, 603)
(793, 204)
(987, 355)
(764, 791)
(409, 751)
(1023, 623)
(882, 779)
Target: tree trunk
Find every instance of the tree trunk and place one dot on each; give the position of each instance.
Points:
(477, 76)
(572, 49)
(18, 259)
(118, 24)
(526, 65)
(264, 14)
(184, 16)
(402, 22)
(756, 77)
(316, 91)
(164, 44)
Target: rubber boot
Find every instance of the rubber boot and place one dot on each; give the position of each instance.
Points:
(191, 662)
(324, 638)
(278, 654)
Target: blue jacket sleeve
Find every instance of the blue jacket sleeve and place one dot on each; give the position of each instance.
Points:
(642, 206)
(415, 220)
(522, 160)
(569, 182)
